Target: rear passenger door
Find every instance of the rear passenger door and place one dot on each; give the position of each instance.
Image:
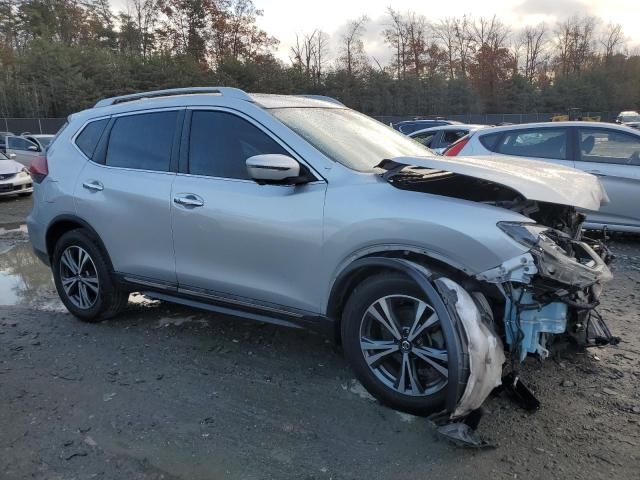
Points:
(235, 240)
(550, 144)
(124, 191)
(614, 156)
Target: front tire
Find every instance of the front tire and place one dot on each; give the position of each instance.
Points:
(83, 278)
(393, 340)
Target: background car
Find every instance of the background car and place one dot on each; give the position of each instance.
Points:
(612, 152)
(630, 119)
(409, 126)
(439, 138)
(14, 178)
(41, 139)
(22, 149)
(3, 136)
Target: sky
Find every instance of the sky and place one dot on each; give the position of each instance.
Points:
(284, 18)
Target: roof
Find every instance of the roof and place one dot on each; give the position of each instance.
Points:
(439, 128)
(267, 100)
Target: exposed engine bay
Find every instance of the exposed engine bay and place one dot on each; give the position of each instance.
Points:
(548, 293)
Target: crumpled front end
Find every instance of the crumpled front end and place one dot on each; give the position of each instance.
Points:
(553, 289)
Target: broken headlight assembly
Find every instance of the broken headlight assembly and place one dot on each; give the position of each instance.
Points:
(526, 234)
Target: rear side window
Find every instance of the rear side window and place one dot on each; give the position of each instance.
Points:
(609, 146)
(142, 141)
(489, 141)
(90, 136)
(451, 136)
(424, 138)
(220, 144)
(539, 143)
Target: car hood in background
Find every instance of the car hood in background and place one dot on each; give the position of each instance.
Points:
(9, 167)
(535, 180)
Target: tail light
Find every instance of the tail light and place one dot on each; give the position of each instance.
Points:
(456, 147)
(39, 169)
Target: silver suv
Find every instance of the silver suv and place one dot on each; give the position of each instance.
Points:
(299, 211)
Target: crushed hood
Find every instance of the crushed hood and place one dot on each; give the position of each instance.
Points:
(534, 180)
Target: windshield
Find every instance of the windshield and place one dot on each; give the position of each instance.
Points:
(630, 118)
(349, 137)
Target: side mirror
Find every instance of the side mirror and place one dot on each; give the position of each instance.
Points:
(33, 148)
(273, 168)
(11, 156)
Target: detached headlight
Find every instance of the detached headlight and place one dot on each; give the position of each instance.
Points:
(527, 234)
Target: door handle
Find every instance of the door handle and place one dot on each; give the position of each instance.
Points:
(93, 185)
(188, 200)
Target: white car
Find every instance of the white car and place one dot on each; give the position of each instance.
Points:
(14, 178)
(612, 152)
(439, 138)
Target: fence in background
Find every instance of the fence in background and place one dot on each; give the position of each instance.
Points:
(495, 118)
(52, 125)
(31, 125)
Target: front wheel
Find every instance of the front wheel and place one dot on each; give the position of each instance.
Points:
(393, 339)
(83, 279)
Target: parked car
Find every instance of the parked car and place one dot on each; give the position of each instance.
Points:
(305, 213)
(3, 136)
(22, 149)
(609, 151)
(40, 139)
(439, 138)
(14, 178)
(410, 126)
(630, 119)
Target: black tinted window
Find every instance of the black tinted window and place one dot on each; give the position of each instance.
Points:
(142, 141)
(489, 141)
(90, 136)
(221, 142)
(540, 143)
(451, 136)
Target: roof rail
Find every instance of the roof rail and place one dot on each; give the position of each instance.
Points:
(225, 91)
(323, 98)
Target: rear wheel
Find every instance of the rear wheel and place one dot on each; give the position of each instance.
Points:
(393, 339)
(83, 279)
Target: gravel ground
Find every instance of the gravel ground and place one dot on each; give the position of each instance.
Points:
(13, 210)
(165, 392)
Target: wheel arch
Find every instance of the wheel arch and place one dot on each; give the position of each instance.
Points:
(418, 271)
(65, 223)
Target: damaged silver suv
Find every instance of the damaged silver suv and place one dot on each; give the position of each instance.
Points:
(299, 211)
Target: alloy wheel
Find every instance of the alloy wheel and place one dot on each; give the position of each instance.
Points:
(402, 342)
(79, 277)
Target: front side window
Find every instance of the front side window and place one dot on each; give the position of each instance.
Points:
(609, 146)
(220, 143)
(22, 144)
(348, 137)
(540, 143)
(142, 141)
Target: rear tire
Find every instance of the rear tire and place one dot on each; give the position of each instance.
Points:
(403, 366)
(83, 279)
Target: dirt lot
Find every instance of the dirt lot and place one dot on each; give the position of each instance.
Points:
(164, 392)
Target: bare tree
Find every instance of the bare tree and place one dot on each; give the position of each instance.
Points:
(145, 17)
(320, 54)
(534, 39)
(353, 56)
(611, 40)
(396, 36)
(444, 31)
(574, 44)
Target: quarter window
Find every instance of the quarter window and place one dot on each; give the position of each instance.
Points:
(90, 136)
(220, 144)
(609, 146)
(142, 141)
(540, 143)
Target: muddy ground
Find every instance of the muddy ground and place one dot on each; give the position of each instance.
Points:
(165, 392)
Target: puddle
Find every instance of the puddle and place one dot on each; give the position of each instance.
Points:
(25, 280)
